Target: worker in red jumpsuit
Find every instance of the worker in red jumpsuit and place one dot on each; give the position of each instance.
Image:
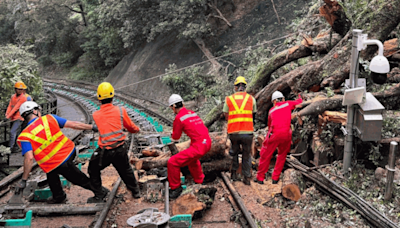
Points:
(279, 136)
(187, 121)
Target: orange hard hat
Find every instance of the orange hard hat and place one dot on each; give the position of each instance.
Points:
(20, 85)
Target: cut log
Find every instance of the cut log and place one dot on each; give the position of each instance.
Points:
(151, 152)
(187, 204)
(292, 184)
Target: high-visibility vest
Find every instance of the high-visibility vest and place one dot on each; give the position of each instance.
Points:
(240, 112)
(50, 146)
(111, 125)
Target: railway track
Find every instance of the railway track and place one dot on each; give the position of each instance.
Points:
(152, 124)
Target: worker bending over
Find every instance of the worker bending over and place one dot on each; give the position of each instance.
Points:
(111, 121)
(239, 109)
(279, 136)
(44, 141)
(200, 143)
(12, 112)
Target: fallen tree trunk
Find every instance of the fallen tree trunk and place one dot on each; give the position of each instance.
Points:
(292, 184)
(336, 63)
(309, 46)
(217, 156)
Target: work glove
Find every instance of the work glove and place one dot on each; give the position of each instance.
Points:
(95, 128)
(5, 120)
(22, 184)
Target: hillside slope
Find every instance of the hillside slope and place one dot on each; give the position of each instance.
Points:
(252, 22)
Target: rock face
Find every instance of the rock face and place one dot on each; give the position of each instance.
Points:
(151, 60)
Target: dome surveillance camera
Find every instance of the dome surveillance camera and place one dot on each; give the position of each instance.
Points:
(379, 64)
(378, 78)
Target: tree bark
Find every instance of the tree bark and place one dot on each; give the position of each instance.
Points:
(216, 156)
(292, 184)
(214, 115)
(335, 16)
(307, 47)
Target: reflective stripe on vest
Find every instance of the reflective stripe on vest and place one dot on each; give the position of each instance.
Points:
(119, 132)
(50, 146)
(240, 119)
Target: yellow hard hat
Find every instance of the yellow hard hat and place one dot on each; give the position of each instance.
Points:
(240, 79)
(105, 90)
(20, 85)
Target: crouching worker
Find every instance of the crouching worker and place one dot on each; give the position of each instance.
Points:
(200, 143)
(111, 121)
(279, 136)
(43, 141)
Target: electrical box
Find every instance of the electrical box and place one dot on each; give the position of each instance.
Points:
(368, 119)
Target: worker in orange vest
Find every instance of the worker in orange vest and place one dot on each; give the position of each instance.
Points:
(239, 109)
(44, 141)
(111, 121)
(279, 136)
(12, 112)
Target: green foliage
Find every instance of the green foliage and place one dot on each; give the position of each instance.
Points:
(18, 64)
(145, 20)
(7, 32)
(190, 83)
(390, 128)
(375, 155)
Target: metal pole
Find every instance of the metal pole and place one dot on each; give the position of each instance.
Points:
(348, 146)
(166, 197)
(390, 169)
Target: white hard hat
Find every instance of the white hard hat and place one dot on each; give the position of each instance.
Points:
(174, 98)
(276, 95)
(27, 106)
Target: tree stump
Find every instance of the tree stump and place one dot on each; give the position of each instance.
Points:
(187, 204)
(292, 184)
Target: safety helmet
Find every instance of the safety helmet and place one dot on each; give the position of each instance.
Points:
(28, 106)
(276, 95)
(174, 98)
(105, 90)
(20, 85)
(239, 80)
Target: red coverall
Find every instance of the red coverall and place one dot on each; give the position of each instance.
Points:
(279, 135)
(188, 122)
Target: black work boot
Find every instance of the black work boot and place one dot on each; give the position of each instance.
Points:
(173, 194)
(234, 176)
(100, 198)
(95, 199)
(51, 200)
(275, 181)
(246, 180)
(136, 193)
(258, 181)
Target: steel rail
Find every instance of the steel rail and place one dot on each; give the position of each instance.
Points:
(239, 201)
